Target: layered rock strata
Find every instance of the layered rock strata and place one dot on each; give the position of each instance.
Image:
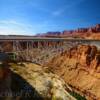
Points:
(80, 67)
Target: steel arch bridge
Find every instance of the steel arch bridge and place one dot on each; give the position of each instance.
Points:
(24, 46)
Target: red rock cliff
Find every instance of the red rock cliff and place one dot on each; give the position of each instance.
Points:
(80, 67)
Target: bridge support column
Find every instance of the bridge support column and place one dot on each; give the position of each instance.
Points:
(27, 49)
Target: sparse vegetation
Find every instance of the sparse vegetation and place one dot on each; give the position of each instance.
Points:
(77, 96)
(56, 98)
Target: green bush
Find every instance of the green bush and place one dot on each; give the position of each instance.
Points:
(77, 96)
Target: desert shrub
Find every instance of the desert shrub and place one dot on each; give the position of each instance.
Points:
(77, 96)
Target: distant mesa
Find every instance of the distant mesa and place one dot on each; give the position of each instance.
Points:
(88, 33)
(80, 33)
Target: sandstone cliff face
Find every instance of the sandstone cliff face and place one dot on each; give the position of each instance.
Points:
(80, 67)
(95, 36)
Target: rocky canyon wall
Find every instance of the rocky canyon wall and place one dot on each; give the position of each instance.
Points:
(80, 68)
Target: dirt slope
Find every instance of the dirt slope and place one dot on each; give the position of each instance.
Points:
(31, 82)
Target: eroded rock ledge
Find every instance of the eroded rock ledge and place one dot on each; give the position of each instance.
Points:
(80, 67)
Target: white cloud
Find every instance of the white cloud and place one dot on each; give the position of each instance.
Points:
(14, 27)
(13, 22)
(63, 9)
(57, 13)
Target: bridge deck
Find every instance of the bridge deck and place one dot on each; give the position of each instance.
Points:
(31, 38)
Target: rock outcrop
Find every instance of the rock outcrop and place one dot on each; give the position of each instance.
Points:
(32, 82)
(80, 67)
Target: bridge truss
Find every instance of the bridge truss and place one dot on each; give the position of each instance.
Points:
(35, 49)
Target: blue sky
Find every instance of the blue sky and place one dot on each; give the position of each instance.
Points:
(38, 16)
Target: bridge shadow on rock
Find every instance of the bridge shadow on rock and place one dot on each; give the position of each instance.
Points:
(22, 90)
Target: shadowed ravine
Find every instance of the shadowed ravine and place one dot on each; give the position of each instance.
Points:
(23, 89)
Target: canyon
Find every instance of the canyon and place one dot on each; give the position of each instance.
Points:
(80, 68)
(66, 70)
